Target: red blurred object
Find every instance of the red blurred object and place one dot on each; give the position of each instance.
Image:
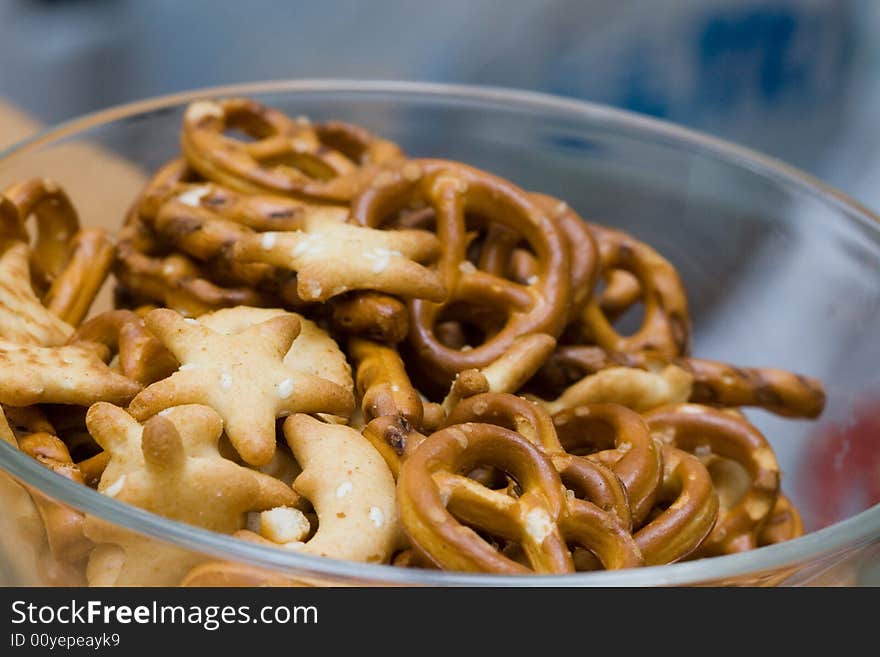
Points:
(841, 471)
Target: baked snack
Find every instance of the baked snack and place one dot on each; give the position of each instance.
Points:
(319, 344)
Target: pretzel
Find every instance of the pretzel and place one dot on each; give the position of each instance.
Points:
(23, 318)
(168, 466)
(349, 486)
(241, 376)
(57, 222)
(434, 501)
(783, 524)
(637, 389)
(331, 258)
(226, 574)
(696, 428)
(459, 195)
(146, 270)
(666, 325)
(142, 357)
(600, 427)
(70, 374)
(371, 315)
(75, 287)
(585, 478)
(287, 156)
(64, 525)
(714, 383)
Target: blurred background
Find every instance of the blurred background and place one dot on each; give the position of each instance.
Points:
(796, 79)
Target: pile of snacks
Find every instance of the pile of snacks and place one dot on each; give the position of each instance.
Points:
(322, 345)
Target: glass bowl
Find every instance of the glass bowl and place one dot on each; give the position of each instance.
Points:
(781, 271)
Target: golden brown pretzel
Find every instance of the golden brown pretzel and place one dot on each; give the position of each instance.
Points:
(57, 222)
(714, 383)
(64, 525)
(287, 156)
(438, 507)
(715, 433)
(666, 325)
(77, 284)
(459, 196)
(142, 357)
(584, 478)
(784, 523)
(599, 427)
(146, 268)
(370, 315)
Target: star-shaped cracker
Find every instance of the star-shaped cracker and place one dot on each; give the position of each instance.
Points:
(23, 319)
(69, 374)
(170, 466)
(331, 257)
(242, 376)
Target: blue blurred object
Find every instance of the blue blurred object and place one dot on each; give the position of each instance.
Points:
(797, 79)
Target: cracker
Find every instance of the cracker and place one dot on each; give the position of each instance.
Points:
(242, 376)
(170, 466)
(331, 258)
(69, 374)
(23, 319)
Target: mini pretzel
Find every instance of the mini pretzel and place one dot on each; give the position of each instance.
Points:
(75, 287)
(459, 196)
(169, 466)
(146, 269)
(71, 374)
(142, 357)
(783, 524)
(585, 478)
(435, 501)
(23, 319)
(636, 389)
(331, 258)
(714, 383)
(57, 222)
(64, 525)
(600, 427)
(349, 486)
(241, 376)
(370, 315)
(666, 325)
(287, 156)
(695, 428)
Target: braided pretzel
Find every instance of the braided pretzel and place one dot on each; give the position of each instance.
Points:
(73, 291)
(57, 222)
(64, 525)
(589, 479)
(695, 428)
(612, 426)
(457, 194)
(142, 357)
(145, 268)
(714, 383)
(666, 325)
(287, 157)
(435, 501)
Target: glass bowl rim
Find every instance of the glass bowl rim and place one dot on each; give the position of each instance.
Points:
(861, 528)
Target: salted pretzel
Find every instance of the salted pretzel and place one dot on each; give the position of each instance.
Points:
(714, 383)
(288, 156)
(148, 271)
(717, 434)
(585, 478)
(439, 506)
(460, 196)
(142, 357)
(665, 328)
(56, 221)
(64, 525)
